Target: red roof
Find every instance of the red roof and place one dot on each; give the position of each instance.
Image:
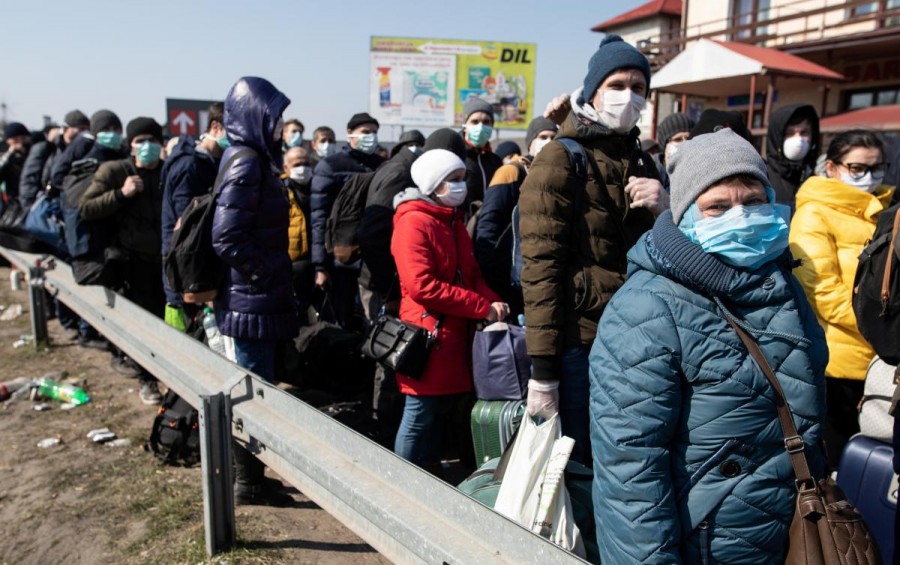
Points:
(780, 61)
(648, 10)
(882, 118)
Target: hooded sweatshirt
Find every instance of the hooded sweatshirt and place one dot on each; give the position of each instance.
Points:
(785, 175)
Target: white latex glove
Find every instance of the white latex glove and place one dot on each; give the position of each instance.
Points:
(647, 193)
(558, 108)
(543, 398)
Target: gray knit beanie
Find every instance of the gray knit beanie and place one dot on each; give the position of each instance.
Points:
(673, 124)
(475, 104)
(706, 159)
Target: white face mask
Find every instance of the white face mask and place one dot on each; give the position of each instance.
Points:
(368, 142)
(671, 150)
(301, 174)
(324, 149)
(795, 147)
(539, 144)
(621, 110)
(867, 183)
(455, 195)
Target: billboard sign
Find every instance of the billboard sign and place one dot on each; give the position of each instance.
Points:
(426, 82)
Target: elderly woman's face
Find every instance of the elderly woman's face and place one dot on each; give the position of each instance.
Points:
(725, 195)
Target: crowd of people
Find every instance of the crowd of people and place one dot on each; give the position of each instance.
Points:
(629, 270)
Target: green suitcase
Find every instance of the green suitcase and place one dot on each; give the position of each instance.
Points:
(493, 424)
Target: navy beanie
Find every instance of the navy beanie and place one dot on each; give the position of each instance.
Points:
(15, 129)
(507, 148)
(613, 54)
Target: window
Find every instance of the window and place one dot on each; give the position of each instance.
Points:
(748, 12)
(863, 9)
(857, 99)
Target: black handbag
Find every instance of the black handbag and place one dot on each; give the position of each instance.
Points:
(400, 346)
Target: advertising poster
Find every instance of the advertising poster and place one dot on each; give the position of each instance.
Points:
(426, 82)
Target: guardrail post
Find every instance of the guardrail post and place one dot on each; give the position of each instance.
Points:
(37, 300)
(215, 459)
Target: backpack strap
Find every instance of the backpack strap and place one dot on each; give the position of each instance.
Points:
(888, 265)
(576, 156)
(793, 442)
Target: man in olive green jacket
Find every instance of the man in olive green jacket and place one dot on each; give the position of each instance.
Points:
(130, 192)
(577, 229)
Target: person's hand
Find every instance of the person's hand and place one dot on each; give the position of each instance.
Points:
(558, 108)
(647, 193)
(499, 311)
(132, 186)
(543, 399)
(322, 279)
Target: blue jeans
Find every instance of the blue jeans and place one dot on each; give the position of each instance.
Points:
(257, 356)
(421, 432)
(574, 401)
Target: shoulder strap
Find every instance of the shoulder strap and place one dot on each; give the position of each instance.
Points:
(888, 267)
(576, 156)
(793, 443)
(222, 170)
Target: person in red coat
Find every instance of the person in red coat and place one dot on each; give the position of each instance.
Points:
(439, 280)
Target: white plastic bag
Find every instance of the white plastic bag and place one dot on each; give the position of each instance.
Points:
(533, 491)
(874, 418)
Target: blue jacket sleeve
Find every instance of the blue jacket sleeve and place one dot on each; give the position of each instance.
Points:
(76, 150)
(323, 193)
(635, 407)
(233, 222)
(493, 234)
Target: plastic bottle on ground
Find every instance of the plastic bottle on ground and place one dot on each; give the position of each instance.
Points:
(9, 387)
(50, 388)
(214, 339)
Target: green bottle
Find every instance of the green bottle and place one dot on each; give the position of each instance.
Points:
(50, 388)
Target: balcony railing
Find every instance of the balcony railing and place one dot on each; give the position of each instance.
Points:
(778, 27)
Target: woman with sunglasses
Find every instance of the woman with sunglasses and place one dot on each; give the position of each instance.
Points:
(836, 215)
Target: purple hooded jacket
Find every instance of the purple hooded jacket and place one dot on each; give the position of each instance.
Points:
(250, 225)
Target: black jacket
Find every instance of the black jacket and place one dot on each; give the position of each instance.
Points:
(76, 151)
(11, 164)
(330, 175)
(480, 169)
(377, 224)
(35, 173)
(785, 175)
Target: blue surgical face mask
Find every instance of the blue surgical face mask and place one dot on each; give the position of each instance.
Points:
(223, 142)
(479, 134)
(109, 139)
(368, 143)
(745, 236)
(148, 152)
(296, 140)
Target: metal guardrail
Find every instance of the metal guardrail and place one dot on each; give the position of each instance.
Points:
(406, 514)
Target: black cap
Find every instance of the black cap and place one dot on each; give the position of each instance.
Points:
(446, 138)
(103, 120)
(411, 137)
(360, 119)
(713, 120)
(144, 126)
(76, 119)
(507, 148)
(15, 129)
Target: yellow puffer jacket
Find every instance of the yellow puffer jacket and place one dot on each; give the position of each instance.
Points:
(832, 224)
(298, 239)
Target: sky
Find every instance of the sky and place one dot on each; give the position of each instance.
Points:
(129, 56)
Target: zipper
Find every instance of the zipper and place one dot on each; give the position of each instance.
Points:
(704, 542)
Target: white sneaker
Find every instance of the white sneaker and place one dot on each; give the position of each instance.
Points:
(150, 393)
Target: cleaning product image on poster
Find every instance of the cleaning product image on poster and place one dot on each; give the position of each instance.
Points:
(384, 87)
(426, 89)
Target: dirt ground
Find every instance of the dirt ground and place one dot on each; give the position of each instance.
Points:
(81, 502)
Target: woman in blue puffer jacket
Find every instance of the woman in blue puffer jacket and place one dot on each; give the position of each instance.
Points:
(689, 458)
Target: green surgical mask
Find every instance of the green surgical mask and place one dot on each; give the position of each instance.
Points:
(148, 152)
(224, 142)
(109, 139)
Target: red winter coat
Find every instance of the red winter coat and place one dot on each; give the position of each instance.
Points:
(428, 244)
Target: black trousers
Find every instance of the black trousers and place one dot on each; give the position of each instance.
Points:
(842, 416)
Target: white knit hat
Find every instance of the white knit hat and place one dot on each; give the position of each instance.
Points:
(433, 167)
